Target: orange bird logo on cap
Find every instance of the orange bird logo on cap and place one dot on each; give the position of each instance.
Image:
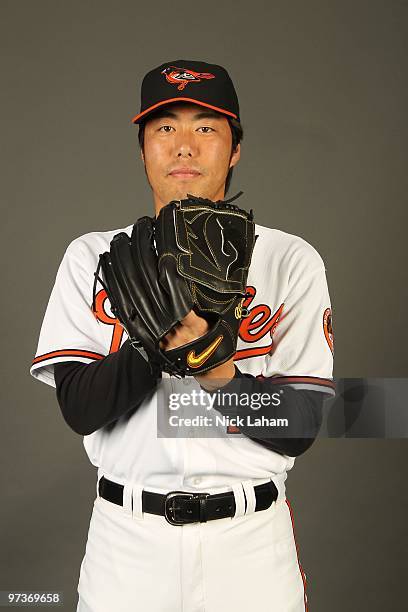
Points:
(181, 77)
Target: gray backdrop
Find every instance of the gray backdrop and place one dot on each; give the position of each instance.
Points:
(323, 94)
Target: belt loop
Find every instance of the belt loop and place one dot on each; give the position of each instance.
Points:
(127, 499)
(97, 483)
(250, 496)
(239, 499)
(281, 489)
(137, 491)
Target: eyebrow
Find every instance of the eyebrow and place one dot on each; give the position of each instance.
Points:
(201, 115)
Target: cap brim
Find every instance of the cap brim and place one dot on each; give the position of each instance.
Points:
(136, 118)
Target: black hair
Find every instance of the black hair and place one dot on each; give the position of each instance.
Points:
(237, 133)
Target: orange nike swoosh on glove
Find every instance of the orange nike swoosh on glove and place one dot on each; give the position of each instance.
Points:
(195, 361)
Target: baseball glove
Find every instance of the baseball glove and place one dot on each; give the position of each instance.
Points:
(194, 256)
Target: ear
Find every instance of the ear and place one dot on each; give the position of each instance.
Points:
(235, 156)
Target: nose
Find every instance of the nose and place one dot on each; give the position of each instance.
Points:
(185, 145)
(183, 152)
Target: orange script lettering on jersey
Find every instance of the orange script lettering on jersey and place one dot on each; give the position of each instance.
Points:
(102, 316)
(256, 326)
(259, 322)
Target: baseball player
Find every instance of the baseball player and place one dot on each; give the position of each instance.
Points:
(192, 524)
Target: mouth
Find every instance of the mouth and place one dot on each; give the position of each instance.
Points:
(185, 173)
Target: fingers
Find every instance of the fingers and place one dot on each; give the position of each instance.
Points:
(182, 334)
(171, 339)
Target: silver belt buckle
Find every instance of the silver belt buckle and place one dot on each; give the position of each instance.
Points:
(170, 507)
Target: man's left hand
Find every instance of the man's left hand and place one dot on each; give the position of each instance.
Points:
(189, 329)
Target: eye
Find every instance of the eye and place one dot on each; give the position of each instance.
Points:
(206, 127)
(165, 126)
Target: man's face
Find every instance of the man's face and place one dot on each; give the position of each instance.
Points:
(190, 137)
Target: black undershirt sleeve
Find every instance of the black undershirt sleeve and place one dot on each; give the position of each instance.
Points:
(303, 408)
(96, 394)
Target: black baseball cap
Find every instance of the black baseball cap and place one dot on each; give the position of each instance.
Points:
(205, 84)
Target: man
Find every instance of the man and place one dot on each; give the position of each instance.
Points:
(195, 523)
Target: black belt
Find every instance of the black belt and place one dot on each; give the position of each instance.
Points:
(181, 507)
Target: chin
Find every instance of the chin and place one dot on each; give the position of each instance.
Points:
(181, 193)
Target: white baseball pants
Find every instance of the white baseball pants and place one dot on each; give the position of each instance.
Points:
(138, 562)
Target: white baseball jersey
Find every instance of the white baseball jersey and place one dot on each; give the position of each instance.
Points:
(287, 336)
